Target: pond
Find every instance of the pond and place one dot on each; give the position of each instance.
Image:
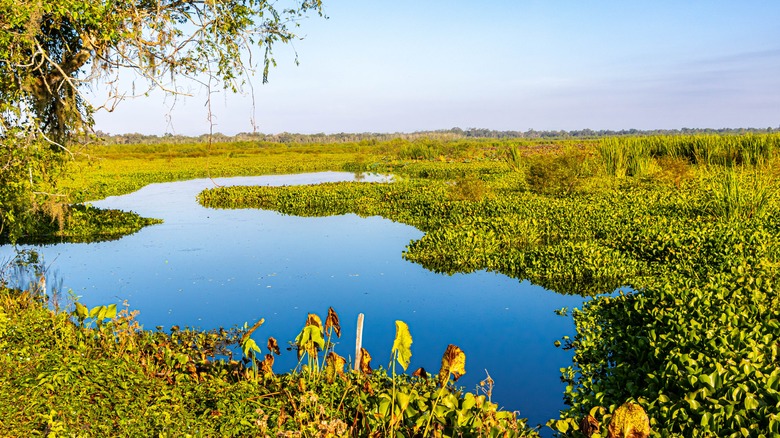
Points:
(208, 268)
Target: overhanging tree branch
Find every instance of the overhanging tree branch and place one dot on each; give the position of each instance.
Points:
(51, 49)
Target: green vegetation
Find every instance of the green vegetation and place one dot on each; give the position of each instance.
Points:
(687, 225)
(52, 51)
(94, 372)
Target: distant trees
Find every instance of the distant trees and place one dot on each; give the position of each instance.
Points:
(443, 135)
(52, 50)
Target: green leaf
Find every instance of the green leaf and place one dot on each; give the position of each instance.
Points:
(94, 312)
(250, 345)
(468, 401)
(309, 339)
(708, 380)
(81, 311)
(402, 400)
(101, 315)
(402, 345)
(111, 311)
(751, 402)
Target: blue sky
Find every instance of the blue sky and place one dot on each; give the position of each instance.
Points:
(406, 66)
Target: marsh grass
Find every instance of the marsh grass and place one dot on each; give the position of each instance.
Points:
(626, 156)
(736, 194)
(514, 159)
(613, 156)
(638, 156)
(724, 150)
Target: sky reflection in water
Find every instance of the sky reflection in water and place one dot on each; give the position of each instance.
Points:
(209, 268)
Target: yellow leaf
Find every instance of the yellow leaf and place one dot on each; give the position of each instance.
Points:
(314, 319)
(453, 362)
(365, 361)
(267, 365)
(334, 366)
(631, 420)
(402, 346)
(81, 311)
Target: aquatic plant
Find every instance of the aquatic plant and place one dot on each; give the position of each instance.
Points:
(102, 374)
(693, 233)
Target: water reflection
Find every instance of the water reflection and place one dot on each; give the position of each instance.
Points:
(210, 268)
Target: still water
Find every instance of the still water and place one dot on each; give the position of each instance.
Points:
(208, 268)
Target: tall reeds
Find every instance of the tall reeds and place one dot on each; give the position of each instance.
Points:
(739, 195)
(725, 150)
(626, 156)
(514, 158)
(633, 156)
(613, 155)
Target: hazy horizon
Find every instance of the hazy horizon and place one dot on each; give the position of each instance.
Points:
(423, 66)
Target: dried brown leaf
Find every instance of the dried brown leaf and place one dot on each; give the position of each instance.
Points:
(365, 361)
(332, 321)
(273, 346)
(420, 372)
(267, 365)
(314, 319)
(589, 425)
(453, 362)
(334, 366)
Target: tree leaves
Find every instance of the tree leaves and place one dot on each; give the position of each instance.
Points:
(50, 51)
(402, 345)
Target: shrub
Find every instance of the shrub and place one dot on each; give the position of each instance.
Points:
(559, 174)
